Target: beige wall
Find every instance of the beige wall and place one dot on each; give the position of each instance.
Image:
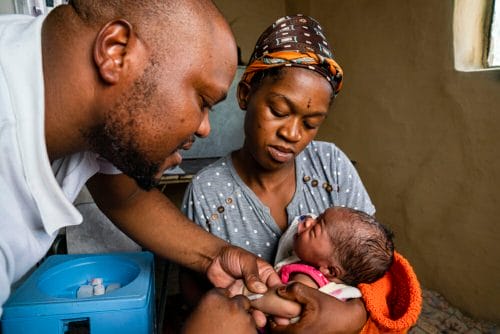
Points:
(425, 136)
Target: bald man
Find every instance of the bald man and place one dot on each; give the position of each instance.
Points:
(105, 93)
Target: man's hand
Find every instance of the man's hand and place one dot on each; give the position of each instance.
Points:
(321, 313)
(217, 313)
(232, 263)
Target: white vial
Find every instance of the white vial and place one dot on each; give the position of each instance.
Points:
(85, 291)
(98, 290)
(96, 281)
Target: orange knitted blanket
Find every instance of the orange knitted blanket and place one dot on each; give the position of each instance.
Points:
(394, 301)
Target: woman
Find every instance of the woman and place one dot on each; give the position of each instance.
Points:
(251, 196)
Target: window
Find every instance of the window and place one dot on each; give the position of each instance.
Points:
(494, 47)
(476, 35)
(36, 7)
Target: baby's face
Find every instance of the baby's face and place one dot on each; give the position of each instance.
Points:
(312, 242)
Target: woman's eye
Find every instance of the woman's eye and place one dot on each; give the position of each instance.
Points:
(312, 122)
(310, 126)
(277, 112)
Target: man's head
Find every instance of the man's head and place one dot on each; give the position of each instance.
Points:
(159, 67)
(346, 244)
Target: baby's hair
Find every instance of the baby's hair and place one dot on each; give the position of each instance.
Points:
(364, 247)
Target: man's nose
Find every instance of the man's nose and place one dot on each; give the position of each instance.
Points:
(204, 128)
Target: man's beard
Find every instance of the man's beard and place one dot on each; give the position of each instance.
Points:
(123, 155)
(115, 141)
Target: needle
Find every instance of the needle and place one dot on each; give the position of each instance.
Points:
(255, 296)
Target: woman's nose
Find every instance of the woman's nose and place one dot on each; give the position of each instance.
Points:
(290, 131)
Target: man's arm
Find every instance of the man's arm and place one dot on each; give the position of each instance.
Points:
(153, 221)
(217, 313)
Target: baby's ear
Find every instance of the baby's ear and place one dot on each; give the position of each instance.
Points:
(331, 272)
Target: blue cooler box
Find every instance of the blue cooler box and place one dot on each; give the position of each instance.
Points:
(47, 301)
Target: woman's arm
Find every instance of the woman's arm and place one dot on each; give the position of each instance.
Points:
(321, 313)
(304, 279)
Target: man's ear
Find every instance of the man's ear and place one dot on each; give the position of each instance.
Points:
(243, 93)
(110, 49)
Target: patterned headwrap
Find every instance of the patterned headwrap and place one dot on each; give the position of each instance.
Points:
(296, 40)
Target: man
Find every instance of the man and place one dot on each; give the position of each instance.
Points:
(106, 92)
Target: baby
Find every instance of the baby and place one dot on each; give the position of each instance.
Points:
(334, 252)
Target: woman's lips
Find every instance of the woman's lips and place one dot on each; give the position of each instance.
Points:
(280, 154)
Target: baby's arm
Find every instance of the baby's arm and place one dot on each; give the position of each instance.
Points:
(271, 303)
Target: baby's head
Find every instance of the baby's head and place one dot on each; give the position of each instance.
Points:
(345, 244)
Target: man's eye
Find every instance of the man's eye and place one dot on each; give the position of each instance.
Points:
(205, 105)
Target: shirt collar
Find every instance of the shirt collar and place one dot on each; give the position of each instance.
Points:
(24, 72)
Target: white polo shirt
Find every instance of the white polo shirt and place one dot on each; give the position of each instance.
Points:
(35, 197)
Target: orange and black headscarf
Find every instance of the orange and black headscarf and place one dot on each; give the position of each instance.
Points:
(296, 40)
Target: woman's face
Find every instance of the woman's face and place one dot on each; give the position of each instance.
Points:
(283, 115)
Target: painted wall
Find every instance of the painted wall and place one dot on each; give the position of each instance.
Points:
(6, 7)
(425, 136)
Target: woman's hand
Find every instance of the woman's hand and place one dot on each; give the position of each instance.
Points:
(217, 313)
(321, 313)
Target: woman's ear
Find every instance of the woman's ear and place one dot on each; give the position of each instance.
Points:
(111, 46)
(243, 93)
